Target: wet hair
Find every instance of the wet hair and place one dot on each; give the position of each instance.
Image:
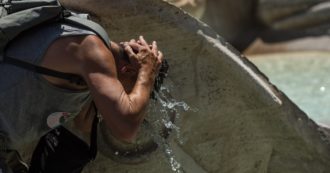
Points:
(122, 54)
(161, 75)
(160, 78)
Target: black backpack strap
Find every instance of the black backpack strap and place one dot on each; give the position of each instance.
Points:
(93, 144)
(19, 5)
(73, 78)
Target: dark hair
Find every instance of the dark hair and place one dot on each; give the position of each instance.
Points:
(122, 54)
(160, 78)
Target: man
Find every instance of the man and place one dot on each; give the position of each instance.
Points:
(32, 104)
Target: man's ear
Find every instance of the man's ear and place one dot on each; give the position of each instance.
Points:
(128, 70)
(123, 69)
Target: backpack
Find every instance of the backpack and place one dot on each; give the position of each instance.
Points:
(17, 16)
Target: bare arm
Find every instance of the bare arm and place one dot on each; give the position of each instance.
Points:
(121, 111)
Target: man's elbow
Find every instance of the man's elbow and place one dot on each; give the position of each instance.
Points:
(125, 127)
(127, 138)
(127, 132)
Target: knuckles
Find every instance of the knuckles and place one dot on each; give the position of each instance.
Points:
(144, 53)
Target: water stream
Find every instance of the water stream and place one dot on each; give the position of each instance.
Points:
(166, 111)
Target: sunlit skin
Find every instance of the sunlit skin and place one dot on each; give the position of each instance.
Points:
(120, 89)
(127, 75)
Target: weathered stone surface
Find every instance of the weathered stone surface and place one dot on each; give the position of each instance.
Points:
(244, 124)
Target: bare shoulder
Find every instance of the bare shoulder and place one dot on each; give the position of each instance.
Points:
(80, 54)
(93, 42)
(96, 56)
(77, 55)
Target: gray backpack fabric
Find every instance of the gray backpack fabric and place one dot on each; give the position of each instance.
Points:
(17, 16)
(13, 22)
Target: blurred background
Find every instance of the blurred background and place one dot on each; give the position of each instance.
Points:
(288, 40)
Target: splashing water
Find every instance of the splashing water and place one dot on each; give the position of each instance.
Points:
(164, 112)
(169, 154)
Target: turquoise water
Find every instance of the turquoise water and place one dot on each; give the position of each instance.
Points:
(304, 78)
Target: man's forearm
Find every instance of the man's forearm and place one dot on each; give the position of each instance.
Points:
(122, 108)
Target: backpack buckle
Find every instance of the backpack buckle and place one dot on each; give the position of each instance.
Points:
(65, 13)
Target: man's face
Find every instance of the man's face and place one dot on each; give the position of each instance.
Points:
(127, 74)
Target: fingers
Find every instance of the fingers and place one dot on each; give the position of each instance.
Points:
(154, 48)
(135, 46)
(143, 41)
(128, 49)
(160, 57)
(140, 48)
(131, 55)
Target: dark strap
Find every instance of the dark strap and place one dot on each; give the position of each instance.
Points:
(19, 5)
(93, 146)
(73, 78)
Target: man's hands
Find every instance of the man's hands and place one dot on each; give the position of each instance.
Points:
(145, 57)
